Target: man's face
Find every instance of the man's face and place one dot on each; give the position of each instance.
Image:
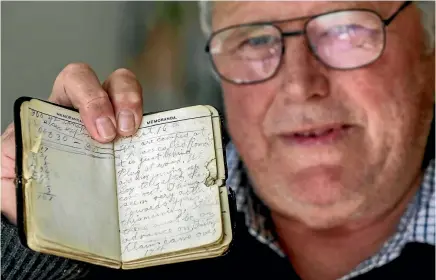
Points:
(325, 146)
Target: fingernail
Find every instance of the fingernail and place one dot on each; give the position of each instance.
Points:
(126, 121)
(105, 128)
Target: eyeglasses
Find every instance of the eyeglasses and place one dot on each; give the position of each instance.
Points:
(342, 40)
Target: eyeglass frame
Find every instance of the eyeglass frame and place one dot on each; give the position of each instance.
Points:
(302, 32)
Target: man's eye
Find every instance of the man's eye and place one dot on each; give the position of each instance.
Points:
(259, 41)
(344, 31)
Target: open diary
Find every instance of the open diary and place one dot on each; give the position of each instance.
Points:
(157, 197)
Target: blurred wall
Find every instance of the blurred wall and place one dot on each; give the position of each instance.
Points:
(40, 38)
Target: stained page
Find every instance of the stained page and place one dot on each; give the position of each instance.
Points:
(72, 182)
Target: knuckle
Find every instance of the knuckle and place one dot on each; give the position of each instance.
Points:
(124, 72)
(76, 67)
(96, 101)
(135, 99)
(9, 133)
(130, 99)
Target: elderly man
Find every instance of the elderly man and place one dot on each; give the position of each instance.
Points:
(329, 108)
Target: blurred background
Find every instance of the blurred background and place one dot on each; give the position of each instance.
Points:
(160, 41)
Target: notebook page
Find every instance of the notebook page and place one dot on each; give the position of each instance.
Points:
(165, 175)
(73, 182)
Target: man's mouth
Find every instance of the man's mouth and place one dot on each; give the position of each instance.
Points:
(317, 135)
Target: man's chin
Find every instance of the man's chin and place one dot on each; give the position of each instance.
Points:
(319, 186)
(318, 197)
(316, 217)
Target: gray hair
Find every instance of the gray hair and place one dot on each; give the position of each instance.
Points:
(427, 9)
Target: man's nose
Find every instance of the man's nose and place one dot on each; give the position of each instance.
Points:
(304, 78)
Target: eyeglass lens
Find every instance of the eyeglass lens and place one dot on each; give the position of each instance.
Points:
(340, 40)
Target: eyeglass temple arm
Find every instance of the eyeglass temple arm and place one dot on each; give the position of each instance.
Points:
(402, 7)
(293, 33)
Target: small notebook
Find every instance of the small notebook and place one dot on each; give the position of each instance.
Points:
(157, 197)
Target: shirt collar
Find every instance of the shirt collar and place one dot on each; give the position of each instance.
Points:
(416, 225)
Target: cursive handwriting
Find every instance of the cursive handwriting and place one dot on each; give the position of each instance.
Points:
(66, 135)
(164, 201)
(53, 133)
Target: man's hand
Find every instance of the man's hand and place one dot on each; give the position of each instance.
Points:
(108, 110)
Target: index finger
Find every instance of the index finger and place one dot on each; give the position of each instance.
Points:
(78, 86)
(8, 199)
